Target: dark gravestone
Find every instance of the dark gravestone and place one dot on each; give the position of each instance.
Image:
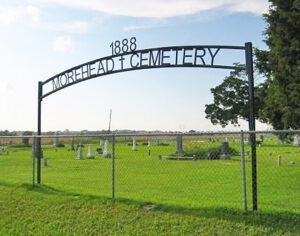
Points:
(225, 151)
(179, 149)
(72, 147)
(213, 155)
(99, 150)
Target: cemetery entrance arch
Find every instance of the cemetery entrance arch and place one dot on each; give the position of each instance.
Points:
(127, 58)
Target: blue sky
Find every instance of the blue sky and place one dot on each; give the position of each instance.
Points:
(40, 38)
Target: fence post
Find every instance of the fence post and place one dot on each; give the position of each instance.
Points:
(249, 67)
(244, 186)
(39, 132)
(113, 167)
(33, 159)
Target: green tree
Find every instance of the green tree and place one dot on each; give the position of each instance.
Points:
(277, 100)
(281, 65)
(231, 99)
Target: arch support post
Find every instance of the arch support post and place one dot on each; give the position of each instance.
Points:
(39, 131)
(249, 67)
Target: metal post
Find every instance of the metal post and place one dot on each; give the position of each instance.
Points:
(39, 148)
(244, 186)
(249, 66)
(113, 168)
(33, 160)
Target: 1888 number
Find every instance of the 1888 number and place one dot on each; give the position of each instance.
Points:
(123, 46)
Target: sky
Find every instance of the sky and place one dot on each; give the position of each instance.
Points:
(41, 38)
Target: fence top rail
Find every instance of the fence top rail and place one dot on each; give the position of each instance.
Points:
(157, 134)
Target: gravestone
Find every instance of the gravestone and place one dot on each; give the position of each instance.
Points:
(72, 148)
(225, 151)
(133, 145)
(101, 142)
(90, 153)
(296, 142)
(99, 150)
(179, 149)
(1, 150)
(261, 138)
(79, 154)
(45, 160)
(149, 143)
(55, 141)
(225, 147)
(279, 160)
(106, 153)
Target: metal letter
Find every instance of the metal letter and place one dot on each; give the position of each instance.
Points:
(151, 58)
(137, 64)
(213, 55)
(185, 56)
(143, 59)
(85, 71)
(100, 67)
(55, 84)
(200, 56)
(163, 57)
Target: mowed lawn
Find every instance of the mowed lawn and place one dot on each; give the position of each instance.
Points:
(25, 210)
(195, 197)
(143, 177)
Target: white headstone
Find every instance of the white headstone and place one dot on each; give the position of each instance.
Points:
(90, 152)
(55, 141)
(79, 155)
(101, 142)
(133, 145)
(149, 143)
(106, 153)
(1, 150)
(296, 142)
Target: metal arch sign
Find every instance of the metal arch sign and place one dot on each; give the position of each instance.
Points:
(125, 57)
(197, 56)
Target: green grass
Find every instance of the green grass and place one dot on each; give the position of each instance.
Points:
(27, 210)
(141, 177)
(202, 196)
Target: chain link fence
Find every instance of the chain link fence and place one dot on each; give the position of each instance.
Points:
(190, 169)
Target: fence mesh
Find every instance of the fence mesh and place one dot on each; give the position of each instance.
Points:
(191, 170)
(16, 160)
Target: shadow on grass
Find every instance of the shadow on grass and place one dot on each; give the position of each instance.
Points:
(283, 220)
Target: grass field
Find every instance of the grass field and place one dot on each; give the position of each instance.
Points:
(25, 210)
(186, 190)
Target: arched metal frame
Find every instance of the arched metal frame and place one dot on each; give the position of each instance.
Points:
(249, 69)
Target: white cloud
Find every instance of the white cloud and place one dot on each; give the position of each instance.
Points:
(164, 8)
(10, 15)
(254, 6)
(75, 27)
(70, 27)
(147, 25)
(63, 44)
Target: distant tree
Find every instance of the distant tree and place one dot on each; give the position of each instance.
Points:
(25, 141)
